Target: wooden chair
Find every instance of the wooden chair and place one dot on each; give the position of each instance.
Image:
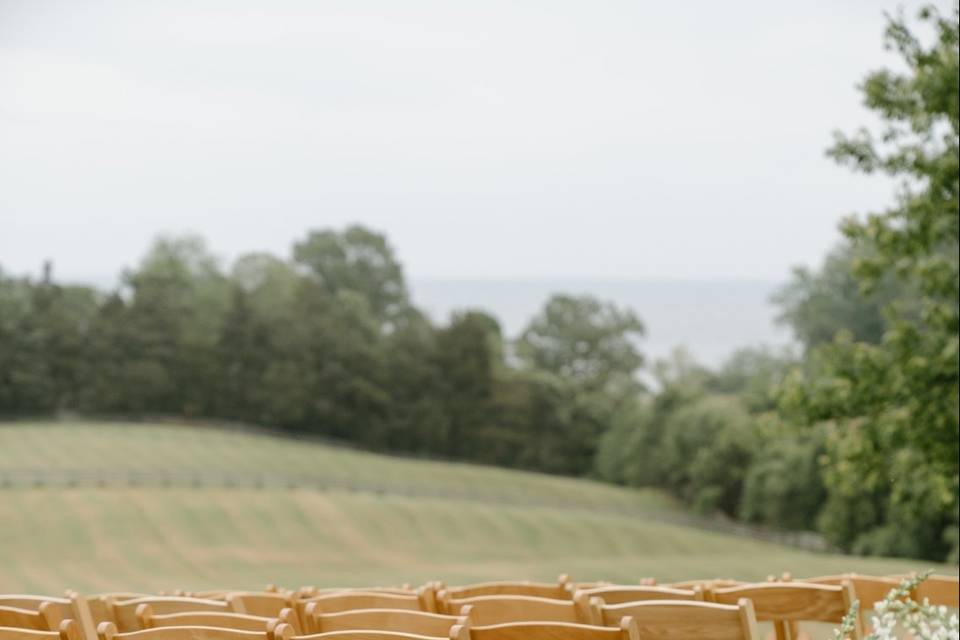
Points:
(490, 610)
(433, 625)
(108, 631)
(307, 592)
(618, 594)
(940, 591)
(711, 583)
(350, 600)
(285, 632)
(239, 621)
(124, 613)
(559, 590)
(867, 589)
(73, 607)
(33, 602)
(96, 605)
(627, 630)
(682, 619)
(217, 594)
(46, 617)
(67, 630)
(787, 603)
(258, 603)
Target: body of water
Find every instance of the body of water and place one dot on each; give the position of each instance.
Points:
(710, 318)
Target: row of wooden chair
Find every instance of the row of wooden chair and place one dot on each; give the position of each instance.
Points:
(729, 608)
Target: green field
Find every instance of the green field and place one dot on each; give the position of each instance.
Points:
(331, 516)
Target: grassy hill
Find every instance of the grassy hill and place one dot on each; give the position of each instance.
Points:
(109, 506)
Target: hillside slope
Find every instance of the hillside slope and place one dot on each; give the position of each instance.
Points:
(349, 518)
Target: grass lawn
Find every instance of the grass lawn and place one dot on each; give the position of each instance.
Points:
(484, 524)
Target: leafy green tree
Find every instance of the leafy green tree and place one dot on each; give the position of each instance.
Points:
(754, 374)
(631, 450)
(585, 341)
(358, 260)
(818, 305)
(328, 370)
(417, 420)
(705, 450)
(269, 284)
(25, 384)
(465, 366)
(627, 448)
(44, 330)
(893, 475)
(178, 301)
(784, 485)
(245, 352)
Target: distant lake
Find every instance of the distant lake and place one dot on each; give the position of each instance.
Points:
(711, 318)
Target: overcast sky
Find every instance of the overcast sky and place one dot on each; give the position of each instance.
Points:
(503, 139)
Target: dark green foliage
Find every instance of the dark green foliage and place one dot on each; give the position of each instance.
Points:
(892, 471)
(784, 485)
(754, 374)
(326, 343)
(696, 444)
(819, 305)
(43, 328)
(583, 340)
(357, 260)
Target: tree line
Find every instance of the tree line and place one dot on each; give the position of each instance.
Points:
(858, 437)
(855, 435)
(324, 341)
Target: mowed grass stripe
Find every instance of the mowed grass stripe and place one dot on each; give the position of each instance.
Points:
(178, 538)
(183, 449)
(492, 524)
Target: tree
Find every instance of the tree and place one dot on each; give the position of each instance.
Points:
(357, 260)
(328, 369)
(178, 301)
(753, 373)
(784, 485)
(465, 365)
(417, 420)
(818, 305)
(585, 341)
(893, 472)
(44, 332)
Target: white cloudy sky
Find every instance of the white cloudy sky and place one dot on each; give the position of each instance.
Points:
(502, 138)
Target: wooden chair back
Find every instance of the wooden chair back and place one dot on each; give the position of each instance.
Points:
(32, 603)
(46, 617)
(72, 607)
(868, 590)
(240, 621)
(285, 632)
(305, 593)
(96, 604)
(490, 610)
(682, 619)
(786, 603)
(618, 594)
(124, 613)
(258, 603)
(108, 631)
(434, 625)
(560, 590)
(705, 585)
(627, 630)
(67, 630)
(940, 591)
(350, 600)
